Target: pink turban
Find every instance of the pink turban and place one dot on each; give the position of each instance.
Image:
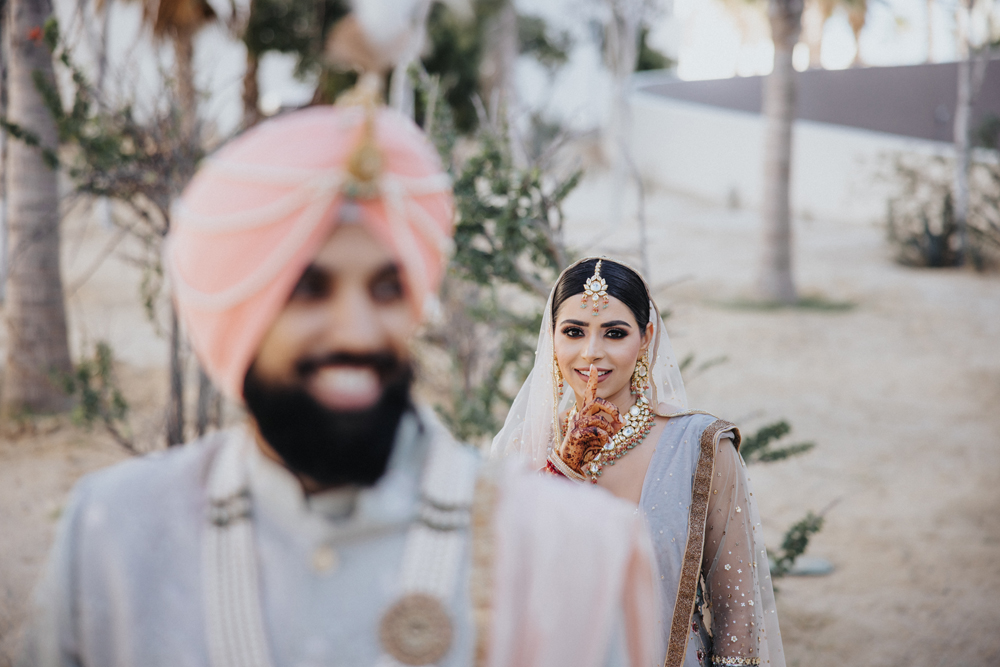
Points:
(259, 210)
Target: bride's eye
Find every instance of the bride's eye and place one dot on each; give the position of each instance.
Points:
(616, 333)
(573, 332)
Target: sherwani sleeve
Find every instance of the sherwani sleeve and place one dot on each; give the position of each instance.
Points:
(51, 638)
(728, 563)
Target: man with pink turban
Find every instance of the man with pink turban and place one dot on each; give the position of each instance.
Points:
(342, 525)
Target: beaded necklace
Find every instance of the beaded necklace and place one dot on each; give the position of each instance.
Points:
(636, 424)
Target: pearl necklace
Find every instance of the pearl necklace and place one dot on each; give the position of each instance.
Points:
(636, 424)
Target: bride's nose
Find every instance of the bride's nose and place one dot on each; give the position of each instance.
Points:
(594, 349)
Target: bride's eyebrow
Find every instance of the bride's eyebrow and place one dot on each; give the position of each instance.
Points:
(576, 323)
(616, 323)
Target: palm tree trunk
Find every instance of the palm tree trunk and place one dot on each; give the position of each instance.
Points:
(4, 59)
(500, 56)
(186, 93)
(37, 348)
(183, 40)
(963, 111)
(251, 92)
(930, 31)
(857, 14)
(775, 278)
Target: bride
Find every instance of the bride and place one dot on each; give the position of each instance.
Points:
(605, 405)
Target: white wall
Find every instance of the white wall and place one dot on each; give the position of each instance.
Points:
(717, 155)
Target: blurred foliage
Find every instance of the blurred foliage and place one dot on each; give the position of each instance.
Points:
(109, 152)
(510, 220)
(509, 249)
(987, 133)
(649, 58)
(535, 38)
(299, 27)
(457, 43)
(920, 222)
(794, 544)
(458, 47)
(99, 399)
(455, 56)
(758, 447)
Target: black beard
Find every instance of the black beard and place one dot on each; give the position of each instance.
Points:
(332, 447)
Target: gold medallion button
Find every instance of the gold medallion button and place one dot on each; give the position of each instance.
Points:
(325, 559)
(416, 630)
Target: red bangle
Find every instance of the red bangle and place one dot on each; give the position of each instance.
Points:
(551, 469)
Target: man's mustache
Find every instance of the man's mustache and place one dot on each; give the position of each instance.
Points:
(385, 364)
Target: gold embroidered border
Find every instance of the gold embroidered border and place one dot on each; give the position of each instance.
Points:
(695, 547)
(483, 545)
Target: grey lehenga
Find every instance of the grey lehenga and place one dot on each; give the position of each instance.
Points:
(716, 592)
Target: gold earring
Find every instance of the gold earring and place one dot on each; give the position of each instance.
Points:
(640, 376)
(558, 378)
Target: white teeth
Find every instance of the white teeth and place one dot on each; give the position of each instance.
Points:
(586, 373)
(346, 387)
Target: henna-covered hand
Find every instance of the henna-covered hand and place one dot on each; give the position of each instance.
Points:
(594, 425)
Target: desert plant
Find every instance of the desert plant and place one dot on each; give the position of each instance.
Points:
(920, 222)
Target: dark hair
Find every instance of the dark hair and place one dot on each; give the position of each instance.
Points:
(623, 283)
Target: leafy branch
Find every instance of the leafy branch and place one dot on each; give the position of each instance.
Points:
(757, 447)
(794, 544)
(99, 397)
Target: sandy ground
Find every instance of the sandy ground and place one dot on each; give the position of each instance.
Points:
(901, 393)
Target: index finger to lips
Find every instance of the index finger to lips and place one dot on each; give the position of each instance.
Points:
(591, 393)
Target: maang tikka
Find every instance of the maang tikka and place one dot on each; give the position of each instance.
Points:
(595, 289)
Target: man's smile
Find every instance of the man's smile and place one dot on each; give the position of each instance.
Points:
(345, 387)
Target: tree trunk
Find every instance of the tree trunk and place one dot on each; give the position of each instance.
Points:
(963, 111)
(175, 405)
(183, 40)
(251, 92)
(4, 59)
(813, 19)
(36, 315)
(775, 282)
(186, 94)
(856, 16)
(930, 31)
(499, 58)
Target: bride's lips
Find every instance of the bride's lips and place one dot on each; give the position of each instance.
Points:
(345, 387)
(602, 374)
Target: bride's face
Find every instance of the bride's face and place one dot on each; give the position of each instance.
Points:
(611, 340)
